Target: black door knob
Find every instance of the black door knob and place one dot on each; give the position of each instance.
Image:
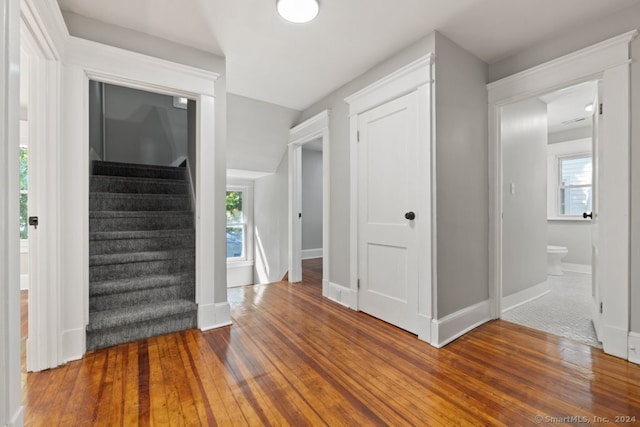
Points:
(410, 216)
(33, 220)
(587, 215)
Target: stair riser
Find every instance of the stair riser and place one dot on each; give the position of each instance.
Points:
(138, 172)
(119, 246)
(159, 203)
(128, 299)
(101, 184)
(141, 223)
(137, 331)
(136, 269)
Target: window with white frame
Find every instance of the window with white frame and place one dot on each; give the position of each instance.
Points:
(569, 179)
(236, 224)
(575, 185)
(24, 195)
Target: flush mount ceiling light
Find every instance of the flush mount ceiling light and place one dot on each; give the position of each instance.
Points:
(298, 11)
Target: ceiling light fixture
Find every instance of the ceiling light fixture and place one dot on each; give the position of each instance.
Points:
(298, 11)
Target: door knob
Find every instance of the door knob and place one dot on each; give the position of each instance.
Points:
(33, 220)
(587, 215)
(410, 216)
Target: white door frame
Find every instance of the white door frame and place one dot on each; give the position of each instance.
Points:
(44, 339)
(607, 61)
(87, 60)
(311, 129)
(416, 76)
(11, 409)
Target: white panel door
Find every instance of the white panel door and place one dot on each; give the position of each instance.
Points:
(387, 200)
(596, 313)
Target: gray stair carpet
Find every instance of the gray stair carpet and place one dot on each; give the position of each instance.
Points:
(142, 253)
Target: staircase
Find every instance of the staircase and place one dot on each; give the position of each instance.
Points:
(141, 253)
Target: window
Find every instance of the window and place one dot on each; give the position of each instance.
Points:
(236, 225)
(575, 192)
(24, 197)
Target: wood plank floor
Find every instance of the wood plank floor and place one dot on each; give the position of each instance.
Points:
(292, 357)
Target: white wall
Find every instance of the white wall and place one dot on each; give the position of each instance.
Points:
(142, 127)
(271, 219)
(574, 39)
(311, 200)
(524, 169)
(258, 133)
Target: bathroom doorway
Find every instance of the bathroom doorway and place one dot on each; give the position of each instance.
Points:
(548, 199)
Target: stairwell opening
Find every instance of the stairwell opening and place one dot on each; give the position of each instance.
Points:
(141, 215)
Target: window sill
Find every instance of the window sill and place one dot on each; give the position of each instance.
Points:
(571, 219)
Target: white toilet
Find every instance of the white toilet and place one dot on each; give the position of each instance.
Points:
(554, 255)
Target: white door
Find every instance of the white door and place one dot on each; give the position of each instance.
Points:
(596, 312)
(387, 200)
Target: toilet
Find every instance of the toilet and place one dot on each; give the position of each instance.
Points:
(554, 255)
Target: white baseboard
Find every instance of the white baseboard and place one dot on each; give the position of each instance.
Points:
(453, 326)
(340, 294)
(17, 420)
(240, 274)
(212, 316)
(615, 341)
(424, 328)
(524, 296)
(311, 253)
(576, 268)
(24, 282)
(634, 347)
(74, 344)
(177, 162)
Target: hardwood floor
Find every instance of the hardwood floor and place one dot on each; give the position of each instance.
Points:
(292, 357)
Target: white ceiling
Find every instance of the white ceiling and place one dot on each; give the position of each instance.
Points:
(566, 107)
(296, 65)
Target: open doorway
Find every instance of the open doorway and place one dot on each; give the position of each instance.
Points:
(312, 137)
(548, 198)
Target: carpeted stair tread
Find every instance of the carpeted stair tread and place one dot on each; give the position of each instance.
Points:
(107, 287)
(144, 234)
(138, 202)
(125, 258)
(122, 184)
(102, 168)
(136, 196)
(138, 214)
(139, 313)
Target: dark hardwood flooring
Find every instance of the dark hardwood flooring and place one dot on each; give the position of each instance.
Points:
(292, 357)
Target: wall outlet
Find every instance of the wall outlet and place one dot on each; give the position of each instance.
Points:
(634, 347)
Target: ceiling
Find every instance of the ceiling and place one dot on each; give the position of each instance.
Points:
(296, 65)
(566, 107)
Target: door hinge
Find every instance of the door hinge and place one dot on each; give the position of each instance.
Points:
(600, 307)
(358, 283)
(600, 109)
(358, 136)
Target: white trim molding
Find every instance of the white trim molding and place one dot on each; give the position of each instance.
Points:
(634, 347)
(414, 77)
(576, 268)
(340, 294)
(213, 316)
(311, 129)
(607, 62)
(453, 326)
(524, 296)
(312, 253)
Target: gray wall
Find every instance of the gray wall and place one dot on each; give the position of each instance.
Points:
(311, 199)
(96, 122)
(258, 133)
(462, 187)
(462, 171)
(524, 166)
(143, 127)
(271, 224)
(574, 39)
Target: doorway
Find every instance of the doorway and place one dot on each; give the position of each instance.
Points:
(607, 62)
(313, 135)
(548, 197)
